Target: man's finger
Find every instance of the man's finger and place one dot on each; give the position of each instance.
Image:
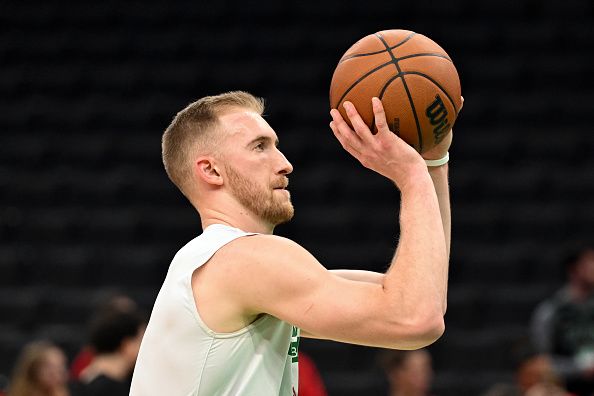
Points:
(344, 128)
(361, 129)
(344, 141)
(380, 115)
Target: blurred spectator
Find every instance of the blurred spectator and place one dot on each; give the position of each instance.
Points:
(115, 339)
(534, 377)
(40, 371)
(409, 373)
(310, 382)
(114, 303)
(563, 325)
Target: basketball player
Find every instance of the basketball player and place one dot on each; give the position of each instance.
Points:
(236, 299)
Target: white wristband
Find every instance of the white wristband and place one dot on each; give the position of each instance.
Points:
(438, 162)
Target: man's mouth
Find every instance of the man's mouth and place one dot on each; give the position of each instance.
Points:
(282, 186)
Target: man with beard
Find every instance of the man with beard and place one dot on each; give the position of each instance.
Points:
(236, 299)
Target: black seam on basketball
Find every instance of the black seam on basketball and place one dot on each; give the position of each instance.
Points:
(381, 95)
(361, 79)
(345, 58)
(383, 91)
(436, 84)
(425, 54)
(377, 52)
(412, 105)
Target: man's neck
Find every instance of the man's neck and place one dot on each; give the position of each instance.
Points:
(242, 220)
(222, 208)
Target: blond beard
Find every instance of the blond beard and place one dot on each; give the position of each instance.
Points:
(259, 201)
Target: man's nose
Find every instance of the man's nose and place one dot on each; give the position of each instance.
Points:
(285, 166)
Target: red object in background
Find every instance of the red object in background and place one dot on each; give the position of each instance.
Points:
(80, 362)
(310, 381)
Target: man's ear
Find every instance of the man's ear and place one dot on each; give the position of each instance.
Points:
(208, 171)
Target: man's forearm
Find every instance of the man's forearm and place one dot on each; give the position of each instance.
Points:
(417, 274)
(439, 176)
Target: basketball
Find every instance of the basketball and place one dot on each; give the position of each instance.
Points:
(414, 77)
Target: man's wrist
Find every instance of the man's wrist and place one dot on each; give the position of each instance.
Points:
(438, 172)
(416, 175)
(438, 162)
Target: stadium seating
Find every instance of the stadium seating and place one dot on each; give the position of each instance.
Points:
(85, 206)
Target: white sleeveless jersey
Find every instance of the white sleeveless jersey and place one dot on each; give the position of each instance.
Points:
(181, 356)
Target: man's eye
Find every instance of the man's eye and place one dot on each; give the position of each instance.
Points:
(260, 146)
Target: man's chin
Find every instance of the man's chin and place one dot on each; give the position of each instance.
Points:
(285, 216)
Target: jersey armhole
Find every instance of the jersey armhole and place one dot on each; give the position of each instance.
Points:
(193, 308)
(237, 333)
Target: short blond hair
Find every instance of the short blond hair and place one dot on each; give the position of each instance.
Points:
(193, 129)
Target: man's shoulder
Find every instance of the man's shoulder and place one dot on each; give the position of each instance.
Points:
(248, 275)
(212, 239)
(262, 254)
(260, 246)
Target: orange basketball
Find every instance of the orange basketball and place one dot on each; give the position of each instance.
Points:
(414, 77)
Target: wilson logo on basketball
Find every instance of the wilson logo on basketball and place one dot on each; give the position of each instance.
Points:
(395, 127)
(437, 114)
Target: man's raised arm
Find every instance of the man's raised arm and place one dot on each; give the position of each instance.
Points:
(404, 311)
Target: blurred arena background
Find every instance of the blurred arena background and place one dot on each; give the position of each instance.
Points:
(86, 89)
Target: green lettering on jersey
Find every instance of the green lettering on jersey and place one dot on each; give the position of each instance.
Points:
(294, 346)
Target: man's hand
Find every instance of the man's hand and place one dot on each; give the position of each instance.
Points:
(384, 152)
(439, 151)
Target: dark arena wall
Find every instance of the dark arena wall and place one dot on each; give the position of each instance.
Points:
(86, 90)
